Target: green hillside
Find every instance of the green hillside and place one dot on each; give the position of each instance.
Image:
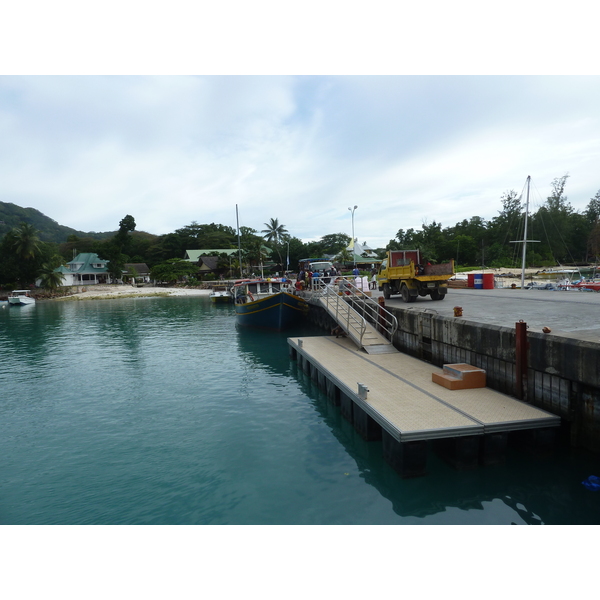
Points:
(49, 230)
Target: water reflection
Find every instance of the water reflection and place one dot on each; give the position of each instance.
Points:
(532, 489)
(162, 411)
(261, 348)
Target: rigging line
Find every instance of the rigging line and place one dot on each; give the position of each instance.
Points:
(565, 245)
(557, 230)
(520, 228)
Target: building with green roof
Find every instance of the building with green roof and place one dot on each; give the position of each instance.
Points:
(87, 268)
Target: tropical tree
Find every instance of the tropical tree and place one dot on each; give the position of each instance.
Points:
(26, 241)
(344, 256)
(122, 238)
(592, 211)
(21, 255)
(275, 233)
(255, 252)
(554, 223)
(173, 270)
(50, 279)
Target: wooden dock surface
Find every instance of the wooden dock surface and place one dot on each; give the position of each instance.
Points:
(404, 400)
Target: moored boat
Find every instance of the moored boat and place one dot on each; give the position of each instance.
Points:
(220, 295)
(20, 297)
(588, 284)
(270, 304)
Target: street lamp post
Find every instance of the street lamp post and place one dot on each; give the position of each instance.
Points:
(353, 249)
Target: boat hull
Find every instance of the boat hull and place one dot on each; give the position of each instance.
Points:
(278, 311)
(21, 301)
(221, 298)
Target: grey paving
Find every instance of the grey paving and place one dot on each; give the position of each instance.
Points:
(573, 314)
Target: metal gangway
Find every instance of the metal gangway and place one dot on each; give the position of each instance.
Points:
(349, 306)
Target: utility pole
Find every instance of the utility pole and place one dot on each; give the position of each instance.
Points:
(353, 252)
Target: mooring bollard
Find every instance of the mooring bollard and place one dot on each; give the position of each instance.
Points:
(362, 391)
(458, 311)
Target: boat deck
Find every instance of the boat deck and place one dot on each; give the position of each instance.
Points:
(403, 399)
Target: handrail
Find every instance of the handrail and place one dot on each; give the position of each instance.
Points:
(344, 314)
(344, 290)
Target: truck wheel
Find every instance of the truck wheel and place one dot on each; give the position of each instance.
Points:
(386, 291)
(435, 295)
(405, 294)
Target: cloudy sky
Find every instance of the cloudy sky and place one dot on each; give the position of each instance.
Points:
(86, 150)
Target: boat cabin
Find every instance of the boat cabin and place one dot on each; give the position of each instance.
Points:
(250, 290)
(20, 293)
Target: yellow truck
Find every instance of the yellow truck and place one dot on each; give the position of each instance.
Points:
(402, 272)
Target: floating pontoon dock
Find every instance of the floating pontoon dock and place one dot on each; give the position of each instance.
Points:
(392, 397)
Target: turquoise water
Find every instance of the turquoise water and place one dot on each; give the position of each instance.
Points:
(162, 411)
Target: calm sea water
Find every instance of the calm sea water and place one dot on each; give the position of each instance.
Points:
(162, 411)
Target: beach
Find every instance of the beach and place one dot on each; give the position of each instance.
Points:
(101, 292)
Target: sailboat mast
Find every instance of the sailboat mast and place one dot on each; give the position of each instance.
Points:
(239, 244)
(525, 235)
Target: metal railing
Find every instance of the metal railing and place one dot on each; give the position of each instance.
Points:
(345, 302)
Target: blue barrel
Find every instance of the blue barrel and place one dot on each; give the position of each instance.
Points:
(478, 281)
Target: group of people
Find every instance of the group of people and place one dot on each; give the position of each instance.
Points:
(305, 277)
(330, 276)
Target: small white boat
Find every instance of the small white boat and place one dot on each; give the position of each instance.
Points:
(20, 297)
(220, 295)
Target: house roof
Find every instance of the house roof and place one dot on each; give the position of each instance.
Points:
(360, 249)
(85, 263)
(209, 262)
(140, 268)
(194, 255)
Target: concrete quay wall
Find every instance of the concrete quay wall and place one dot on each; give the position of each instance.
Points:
(563, 374)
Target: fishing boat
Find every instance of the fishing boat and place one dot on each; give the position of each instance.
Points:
(556, 272)
(270, 304)
(220, 295)
(588, 284)
(20, 297)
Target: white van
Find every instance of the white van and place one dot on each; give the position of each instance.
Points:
(321, 266)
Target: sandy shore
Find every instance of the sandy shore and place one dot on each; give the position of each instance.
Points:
(128, 291)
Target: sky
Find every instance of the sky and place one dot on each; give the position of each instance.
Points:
(90, 142)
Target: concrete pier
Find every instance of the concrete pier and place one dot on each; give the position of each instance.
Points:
(560, 369)
(392, 397)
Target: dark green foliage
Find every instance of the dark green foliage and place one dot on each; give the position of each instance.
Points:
(173, 270)
(330, 245)
(565, 235)
(22, 255)
(12, 216)
(276, 234)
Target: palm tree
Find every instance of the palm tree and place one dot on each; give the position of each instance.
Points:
(344, 256)
(276, 234)
(27, 243)
(49, 278)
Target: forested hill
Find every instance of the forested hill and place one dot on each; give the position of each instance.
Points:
(49, 230)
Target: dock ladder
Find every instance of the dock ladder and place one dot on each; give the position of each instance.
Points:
(348, 306)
